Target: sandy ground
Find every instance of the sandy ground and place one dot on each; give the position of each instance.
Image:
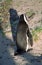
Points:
(23, 6)
(7, 57)
(33, 57)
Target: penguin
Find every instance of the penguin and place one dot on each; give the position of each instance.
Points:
(23, 35)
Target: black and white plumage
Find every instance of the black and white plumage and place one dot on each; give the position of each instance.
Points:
(23, 37)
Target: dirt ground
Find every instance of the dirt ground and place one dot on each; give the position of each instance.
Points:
(32, 57)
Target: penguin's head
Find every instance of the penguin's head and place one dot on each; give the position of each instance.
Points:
(24, 18)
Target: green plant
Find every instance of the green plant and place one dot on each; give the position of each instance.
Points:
(0, 0)
(8, 1)
(38, 29)
(35, 32)
(4, 23)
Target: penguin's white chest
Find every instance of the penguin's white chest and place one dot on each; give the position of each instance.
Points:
(27, 47)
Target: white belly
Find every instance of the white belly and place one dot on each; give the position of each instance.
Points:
(27, 47)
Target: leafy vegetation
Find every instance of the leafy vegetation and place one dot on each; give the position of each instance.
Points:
(4, 7)
(4, 23)
(35, 32)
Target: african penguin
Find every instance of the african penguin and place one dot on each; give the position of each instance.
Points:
(23, 35)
